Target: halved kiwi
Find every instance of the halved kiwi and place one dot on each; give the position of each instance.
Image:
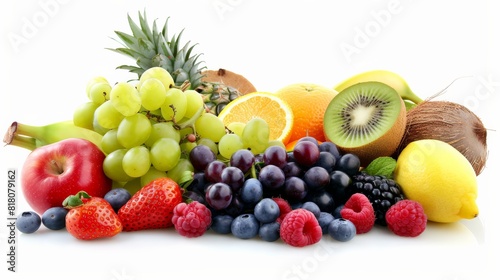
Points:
(367, 119)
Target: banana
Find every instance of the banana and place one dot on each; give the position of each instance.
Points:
(387, 77)
(31, 137)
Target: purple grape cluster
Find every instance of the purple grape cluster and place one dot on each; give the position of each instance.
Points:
(311, 173)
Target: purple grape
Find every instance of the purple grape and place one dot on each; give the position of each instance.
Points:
(213, 171)
(306, 153)
(275, 155)
(316, 178)
(233, 177)
(219, 196)
(295, 189)
(349, 164)
(193, 196)
(200, 156)
(330, 147)
(199, 183)
(327, 161)
(309, 139)
(242, 159)
(272, 177)
(292, 169)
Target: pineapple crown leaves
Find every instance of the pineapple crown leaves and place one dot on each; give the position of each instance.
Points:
(151, 47)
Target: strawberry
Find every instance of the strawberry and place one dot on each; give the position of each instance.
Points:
(152, 206)
(90, 217)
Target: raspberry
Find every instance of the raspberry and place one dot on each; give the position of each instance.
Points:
(406, 218)
(359, 210)
(300, 228)
(284, 206)
(191, 220)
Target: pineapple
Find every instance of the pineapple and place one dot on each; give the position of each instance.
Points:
(151, 47)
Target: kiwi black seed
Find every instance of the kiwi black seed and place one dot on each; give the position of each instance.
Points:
(367, 119)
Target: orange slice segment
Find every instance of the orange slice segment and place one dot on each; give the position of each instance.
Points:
(265, 105)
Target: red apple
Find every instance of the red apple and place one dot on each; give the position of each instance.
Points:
(53, 172)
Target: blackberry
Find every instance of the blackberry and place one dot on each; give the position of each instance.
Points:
(382, 193)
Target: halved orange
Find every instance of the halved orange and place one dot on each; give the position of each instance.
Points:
(276, 112)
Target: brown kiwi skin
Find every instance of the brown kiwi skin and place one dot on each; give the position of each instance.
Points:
(385, 145)
(229, 78)
(451, 123)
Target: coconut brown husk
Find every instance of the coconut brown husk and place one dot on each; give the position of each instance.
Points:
(228, 78)
(449, 122)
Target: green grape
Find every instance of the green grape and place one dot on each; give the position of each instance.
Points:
(159, 73)
(276, 143)
(186, 147)
(97, 128)
(152, 94)
(113, 167)
(83, 116)
(210, 126)
(93, 81)
(134, 130)
(174, 106)
(182, 168)
(209, 143)
(133, 185)
(109, 141)
(165, 154)
(162, 130)
(100, 92)
(236, 127)
(107, 116)
(229, 144)
(194, 102)
(136, 161)
(151, 175)
(255, 135)
(125, 98)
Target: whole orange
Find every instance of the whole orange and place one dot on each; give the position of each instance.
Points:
(308, 102)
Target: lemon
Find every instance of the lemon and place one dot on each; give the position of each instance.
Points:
(440, 178)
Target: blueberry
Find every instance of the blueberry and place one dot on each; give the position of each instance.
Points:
(55, 218)
(222, 223)
(342, 230)
(266, 211)
(28, 222)
(336, 211)
(245, 226)
(117, 197)
(324, 220)
(252, 191)
(270, 232)
(313, 207)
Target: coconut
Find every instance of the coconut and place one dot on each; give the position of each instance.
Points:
(451, 123)
(228, 78)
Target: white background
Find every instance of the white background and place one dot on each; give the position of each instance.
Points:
(50, 49)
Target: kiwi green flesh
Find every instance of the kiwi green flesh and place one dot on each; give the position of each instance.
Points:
(361, 114)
